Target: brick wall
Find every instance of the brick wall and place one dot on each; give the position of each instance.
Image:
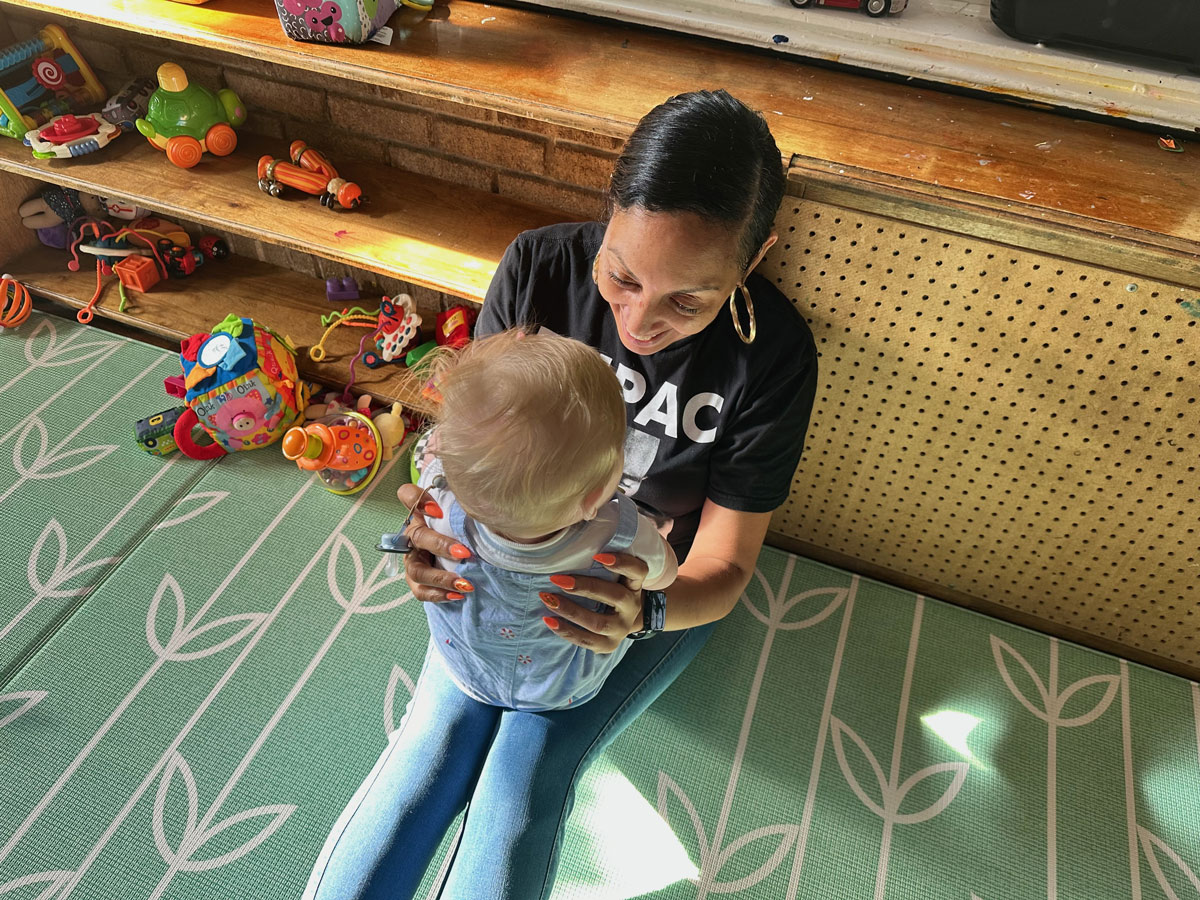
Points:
(547, 165)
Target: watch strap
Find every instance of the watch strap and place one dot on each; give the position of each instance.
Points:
(654, 614)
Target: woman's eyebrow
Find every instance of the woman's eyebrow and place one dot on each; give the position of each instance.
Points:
(691, 290)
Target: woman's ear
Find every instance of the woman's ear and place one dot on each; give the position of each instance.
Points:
(762, 251)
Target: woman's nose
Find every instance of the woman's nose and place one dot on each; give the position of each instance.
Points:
(638, 314)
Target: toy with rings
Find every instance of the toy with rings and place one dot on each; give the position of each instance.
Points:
(311, 172)
(343, 450)
(16, 303)
(69, 136)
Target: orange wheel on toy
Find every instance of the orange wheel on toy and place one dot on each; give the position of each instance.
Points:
(220, 140)
(184, 151)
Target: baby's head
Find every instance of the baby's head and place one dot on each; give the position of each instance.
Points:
(530, 431)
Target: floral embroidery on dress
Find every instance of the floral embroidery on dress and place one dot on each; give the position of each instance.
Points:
(523, 659)
(507, 633)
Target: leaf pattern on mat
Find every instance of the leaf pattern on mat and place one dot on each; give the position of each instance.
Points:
(192, 505)
(182, 857)
(183, 634)
(56, 353)
(892, 796)
(54, 585)
(51, 882)
(1153, 845)
(18, 703)
(779, 605)
(40, 464)
(785, 835)
(345, 564)
(1051, 708)
(668, 788)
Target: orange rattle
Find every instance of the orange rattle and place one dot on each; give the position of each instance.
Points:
(17, 304)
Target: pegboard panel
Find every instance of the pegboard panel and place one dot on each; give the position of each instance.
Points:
(1014, 427)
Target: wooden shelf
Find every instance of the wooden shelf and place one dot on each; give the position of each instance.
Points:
(284, 301)
(427, 232)
(1093, 178)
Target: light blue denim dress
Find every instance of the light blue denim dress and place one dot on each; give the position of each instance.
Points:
(494, 643)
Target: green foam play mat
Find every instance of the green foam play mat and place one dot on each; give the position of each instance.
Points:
(200, 661)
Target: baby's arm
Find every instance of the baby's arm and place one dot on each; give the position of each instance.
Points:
(652, 548)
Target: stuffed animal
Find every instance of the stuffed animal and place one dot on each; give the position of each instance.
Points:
(390, 425)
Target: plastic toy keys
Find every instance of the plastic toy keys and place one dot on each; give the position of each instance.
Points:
(311, 172)
(15, 303)
(343, 450)
(188, 120)
(155, 433)
(44, 77)
(65, 137)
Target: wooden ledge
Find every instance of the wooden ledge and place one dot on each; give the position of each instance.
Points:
(601, 77)
(289, 303)
(423, 231)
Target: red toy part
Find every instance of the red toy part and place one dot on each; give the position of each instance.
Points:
(138, 273)
(174, 386)
(454, 326)
(183, 438)
(69, 128)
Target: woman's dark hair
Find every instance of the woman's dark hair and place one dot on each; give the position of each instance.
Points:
(707, 153)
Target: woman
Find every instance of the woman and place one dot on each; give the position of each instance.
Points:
(719, 373)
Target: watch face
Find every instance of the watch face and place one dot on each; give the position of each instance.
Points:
(214, 350)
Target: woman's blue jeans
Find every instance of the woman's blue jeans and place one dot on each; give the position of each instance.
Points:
(513, 772)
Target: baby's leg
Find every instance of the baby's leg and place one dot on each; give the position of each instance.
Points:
(510, 841)
(382, 842)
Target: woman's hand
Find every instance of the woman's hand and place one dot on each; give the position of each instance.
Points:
(428, 583)
(601, 632)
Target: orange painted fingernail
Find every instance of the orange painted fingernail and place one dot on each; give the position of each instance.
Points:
(566, 582)
(463, 585)
(605, 559)
(550, 623)
(452, 595)
(550, 600)
(458, 551)
(432, 509)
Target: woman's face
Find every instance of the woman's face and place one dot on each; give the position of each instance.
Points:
(665, 275)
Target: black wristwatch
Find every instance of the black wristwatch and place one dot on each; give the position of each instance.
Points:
(654, 615)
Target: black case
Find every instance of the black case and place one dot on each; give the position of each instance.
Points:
(1163, 30)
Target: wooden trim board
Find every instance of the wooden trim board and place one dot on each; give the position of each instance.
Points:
(603, 77)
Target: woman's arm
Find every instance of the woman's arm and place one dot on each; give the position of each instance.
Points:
(711, 579)
(717, 568)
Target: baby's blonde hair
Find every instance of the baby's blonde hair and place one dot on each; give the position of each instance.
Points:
(528, 426)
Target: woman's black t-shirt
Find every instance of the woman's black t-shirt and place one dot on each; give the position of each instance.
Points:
(709, 416)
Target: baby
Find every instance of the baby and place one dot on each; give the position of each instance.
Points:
(524, 462)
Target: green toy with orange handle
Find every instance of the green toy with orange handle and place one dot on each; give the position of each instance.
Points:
(188, 120)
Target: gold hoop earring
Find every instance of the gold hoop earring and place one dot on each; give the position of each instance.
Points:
(596, 271)
(737, 319)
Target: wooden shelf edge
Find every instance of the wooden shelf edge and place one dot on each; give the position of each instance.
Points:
(395, 234)
(286, 302)
(1128, 250)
